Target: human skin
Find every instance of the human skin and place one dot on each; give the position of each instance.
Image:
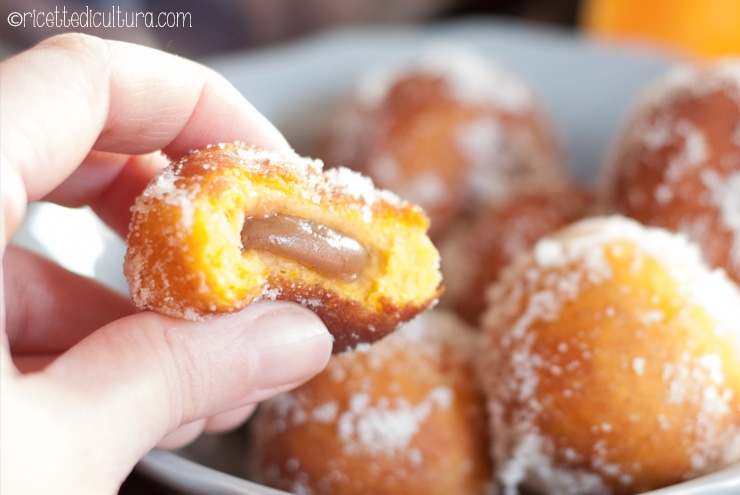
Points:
(88, 386)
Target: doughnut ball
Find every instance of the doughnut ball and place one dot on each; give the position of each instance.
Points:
(677, 162)
(403, 416)
(232, 224)
(448, 132)
(474, 255)
(611, 362)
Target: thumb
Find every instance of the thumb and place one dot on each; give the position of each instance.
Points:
(146, 374)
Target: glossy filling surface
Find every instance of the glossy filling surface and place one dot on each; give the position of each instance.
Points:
(331, 253)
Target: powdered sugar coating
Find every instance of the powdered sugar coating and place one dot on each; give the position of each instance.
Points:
(676, 161)
(318, 184)
(583, 243)
(471, 79)
(370, 410)
(387, 428)
(696, 78)
(370, 423)
(449, 130)
(426, 188)
(725, 194)
(187, 256)
(529, 376)
(334, 181)
(476, 253)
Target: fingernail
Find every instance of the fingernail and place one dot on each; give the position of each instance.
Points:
(290, 345)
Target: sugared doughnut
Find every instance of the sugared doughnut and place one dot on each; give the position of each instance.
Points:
(611, 362)
(475, 253)
(677, 162)
(403, 416)
(230, 224)
(449, 132)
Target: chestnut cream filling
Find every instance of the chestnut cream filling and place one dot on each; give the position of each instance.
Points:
(310, 243)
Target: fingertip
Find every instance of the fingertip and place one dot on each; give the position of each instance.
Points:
(290, 344)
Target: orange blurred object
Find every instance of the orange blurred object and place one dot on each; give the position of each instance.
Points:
(698, 27)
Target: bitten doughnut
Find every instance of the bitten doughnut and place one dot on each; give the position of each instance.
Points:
(231, 224)
(449, 131)
(611, 362)
(403, 416)
(676, 164)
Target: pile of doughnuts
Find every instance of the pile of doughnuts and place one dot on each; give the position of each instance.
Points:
(450, 132)
(611, 355)
(588, 339)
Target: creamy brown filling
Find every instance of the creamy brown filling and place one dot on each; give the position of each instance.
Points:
(310, 243)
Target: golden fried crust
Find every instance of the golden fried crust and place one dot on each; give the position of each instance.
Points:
(444, 152)
(500, 232)
(185, 254)
(677, 162)
(405, 416)
(606, 360)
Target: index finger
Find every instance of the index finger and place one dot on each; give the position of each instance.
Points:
(74, 93)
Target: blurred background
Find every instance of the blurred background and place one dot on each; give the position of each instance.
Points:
(693, 27)
(222, 26)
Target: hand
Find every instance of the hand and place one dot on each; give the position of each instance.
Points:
(88, 386)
